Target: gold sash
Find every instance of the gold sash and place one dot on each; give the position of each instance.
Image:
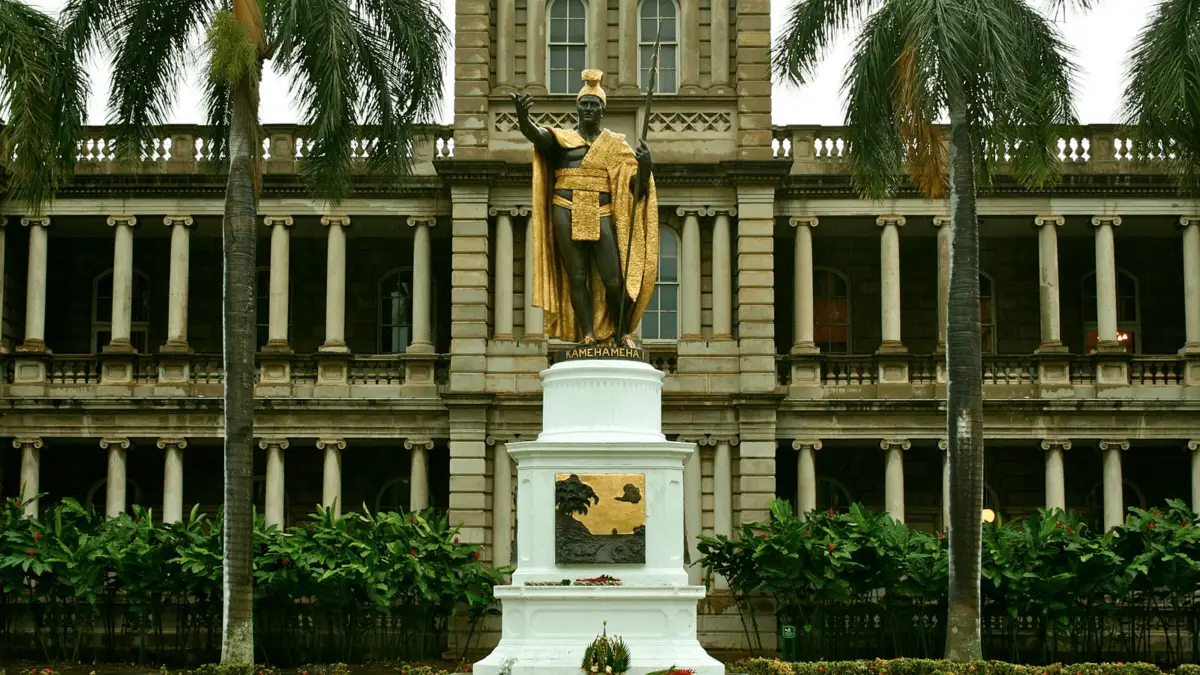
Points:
(586, 212)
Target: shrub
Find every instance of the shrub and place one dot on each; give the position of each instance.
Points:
(761, 666)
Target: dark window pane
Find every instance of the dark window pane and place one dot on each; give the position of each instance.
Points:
(668, 269)
(558, 82)
(558, 31)
(670, 326)
(648, 32)
(559, 9)
(577, 56)
(666, 9)
(575, 8)
(666, 28)
(558, 58)
(576, 30)
(666, 82)
(667, 243)
(670, 297)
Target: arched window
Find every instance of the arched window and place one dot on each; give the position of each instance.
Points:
(396, 311)
(1129, 313)
(1131, 495)
(831, 311)
(568, 45)
(661, 320)
(98, 491)
(102, 302)
(393, 496)
(987, 313)
(658, 21)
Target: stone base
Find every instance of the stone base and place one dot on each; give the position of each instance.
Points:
(547, 628)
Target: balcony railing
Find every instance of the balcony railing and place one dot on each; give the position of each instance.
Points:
(1085, 149)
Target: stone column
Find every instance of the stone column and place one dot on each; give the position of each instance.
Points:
(722, 276)
(889, 259)
(177, 290)
(1191, 281)
(1194, 447)
(31, 462)
(1114, 484)
(535, 46)
(806, 475)
(533, 315)
(172, 478)
(502, 504)
(422, 284)
(719, 33)
(505, 25)
(627, 45)
(1106, 282)
(689, 274)
(944, 448)
(693, 510)
(502, 322)
(723, 487)
(802, 309)
(114, 487)
(945, 235)
(418, 474)
(274, 502)
(122, 284)
(335, 285)
(689, 43)
(894, 475)
(331, 479)
(1056, 482)
(35, 287)
(1048, 280)
(279, 294)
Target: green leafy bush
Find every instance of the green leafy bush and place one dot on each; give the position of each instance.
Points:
(365, 585)
(860, 585)
(761, 666)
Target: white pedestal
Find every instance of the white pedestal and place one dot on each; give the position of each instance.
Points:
(599, 417)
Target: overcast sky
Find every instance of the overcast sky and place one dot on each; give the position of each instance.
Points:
(1101, 41)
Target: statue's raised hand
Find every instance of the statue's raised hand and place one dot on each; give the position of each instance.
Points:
(524, 103)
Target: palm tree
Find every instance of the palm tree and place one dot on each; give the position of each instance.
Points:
(1162, 102)
(351, 64)
(999, 71)
(43, 92)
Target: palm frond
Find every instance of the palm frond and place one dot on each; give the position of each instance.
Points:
(810, 29)
(44, 90)
(153, 41)
(88, 25)
(1162, 101)
(374, 65)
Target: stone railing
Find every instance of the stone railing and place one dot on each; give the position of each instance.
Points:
(193, 149)
(1086, 149)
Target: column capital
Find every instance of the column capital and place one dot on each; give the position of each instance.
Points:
(1185, 221)
(120, 443)
(1114, 221)
(186, 221)
(891, 219)
(944, 444)
(274, 442)
(801, 443)
(699, 439)
(3, 221)
(164, 443)
(729, 211)
(126, 220)
(939, 221)
(895, 444)
(44, 221)
(1193, 444)
(498, 439)
(1114, 444)
(428, 221)
(414, 443)
(284, 221)
(344, 221)
(331, 444)
(513, 211)
(697, 211)
(1049, 219)
(810, 221)
(21, 442)
(1057, 444)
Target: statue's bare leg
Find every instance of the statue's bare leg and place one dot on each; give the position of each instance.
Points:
(608, 262)
(575, 260)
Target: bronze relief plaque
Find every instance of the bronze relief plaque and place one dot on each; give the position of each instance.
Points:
(600, 519)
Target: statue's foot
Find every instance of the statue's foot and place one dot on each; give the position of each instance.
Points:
(628, 342)
(588, 341)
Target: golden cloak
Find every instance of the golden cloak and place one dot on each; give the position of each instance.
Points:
(550, 284)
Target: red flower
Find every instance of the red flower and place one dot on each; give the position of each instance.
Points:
(456, 540)
(806, 533)
(832, 548)
(941, 535)
(1152, 526)
(32, 553)
(1156, 514)
(412, 551)
(1070, 530)
(477, 555)
(763, 535)
(285, 562)
(411, 520)
(17, 502)
(1060, 523)
(37, 535)
(831, 511)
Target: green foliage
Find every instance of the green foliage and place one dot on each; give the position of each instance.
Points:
(232, 57)
(857, 584)
(606, 655)
(761, 666)
(365, 584)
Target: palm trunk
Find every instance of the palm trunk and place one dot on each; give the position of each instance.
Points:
(241, 199)
(964, 399)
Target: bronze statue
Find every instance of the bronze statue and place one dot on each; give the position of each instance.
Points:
(595, 224)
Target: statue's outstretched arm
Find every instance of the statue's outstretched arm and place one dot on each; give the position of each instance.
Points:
(542, 139)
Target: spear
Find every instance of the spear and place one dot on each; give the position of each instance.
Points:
(637, 196)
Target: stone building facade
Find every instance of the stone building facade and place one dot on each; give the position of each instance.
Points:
(800, 328)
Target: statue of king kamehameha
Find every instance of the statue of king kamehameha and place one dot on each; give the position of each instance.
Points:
(595, 224)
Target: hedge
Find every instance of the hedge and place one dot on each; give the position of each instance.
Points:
(364, 585)
(761, 666)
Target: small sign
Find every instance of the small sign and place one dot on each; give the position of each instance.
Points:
(788, 646)
(600, 352)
